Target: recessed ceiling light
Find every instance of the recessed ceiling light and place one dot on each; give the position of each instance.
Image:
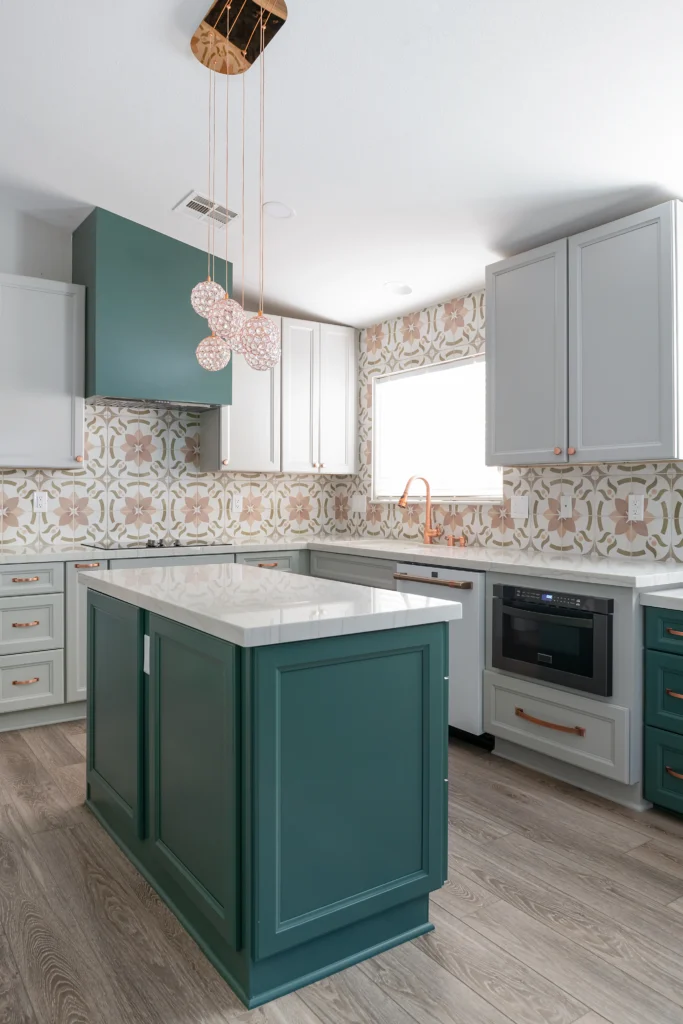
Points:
(398, 287)
(279, 211)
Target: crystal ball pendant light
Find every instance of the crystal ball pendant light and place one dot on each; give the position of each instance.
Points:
(261, 342)
(204, 296)
(227, 319)
(213, 353)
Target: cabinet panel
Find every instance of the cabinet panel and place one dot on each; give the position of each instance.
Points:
(31, 680)
(284, 561)
(663, 769)
(77, 627)
(622, 366)
(526, 357)
(42, 341)
(367, 572)
(338, 413)
(300, 396)
(31, 578)
(31, 623)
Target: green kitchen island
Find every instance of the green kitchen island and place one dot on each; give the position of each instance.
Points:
(270, 751)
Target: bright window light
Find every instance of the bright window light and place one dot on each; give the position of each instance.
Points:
(432, 421)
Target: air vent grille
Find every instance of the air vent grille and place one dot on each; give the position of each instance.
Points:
(198, 206)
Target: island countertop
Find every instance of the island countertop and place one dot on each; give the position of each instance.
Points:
(254, 607)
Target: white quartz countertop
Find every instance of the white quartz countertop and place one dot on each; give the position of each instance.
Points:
(618, 572)
(254, 607)
(672, 599)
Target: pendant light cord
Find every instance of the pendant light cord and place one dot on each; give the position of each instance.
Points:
(208, 189)
(261, 160)
(244, 132)
(227, 142)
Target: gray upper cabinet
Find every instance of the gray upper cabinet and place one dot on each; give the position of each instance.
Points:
(42, 383)
(526, 358)
(622, 352)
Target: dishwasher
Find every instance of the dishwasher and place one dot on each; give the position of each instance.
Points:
(466, 636)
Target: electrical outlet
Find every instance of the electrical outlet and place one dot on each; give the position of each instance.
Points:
(358, 502)
(236, 505)
(566, 506)
(40, 501)
(519, 506)
(636, 508)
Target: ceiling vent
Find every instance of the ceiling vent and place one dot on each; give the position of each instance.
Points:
(199, 207)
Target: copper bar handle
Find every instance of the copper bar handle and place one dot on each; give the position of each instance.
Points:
(675, 775)
(453, 584)
(672, 693)
(87, 565)
(674, 632)
(267, 565)
(576, 730)
(25, 625)
(25, 579)
(25, 682)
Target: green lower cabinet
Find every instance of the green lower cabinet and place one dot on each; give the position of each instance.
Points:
(663, 770)
(287, 802)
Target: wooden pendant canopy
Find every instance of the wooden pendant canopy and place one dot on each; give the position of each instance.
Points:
(234, 56)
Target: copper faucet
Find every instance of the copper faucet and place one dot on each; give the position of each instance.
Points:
(429, 530)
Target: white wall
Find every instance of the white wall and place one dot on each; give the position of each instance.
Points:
(33, 247)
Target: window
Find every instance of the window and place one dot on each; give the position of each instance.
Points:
(432, 421)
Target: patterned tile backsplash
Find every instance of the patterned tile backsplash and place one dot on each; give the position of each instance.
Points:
(141, 479)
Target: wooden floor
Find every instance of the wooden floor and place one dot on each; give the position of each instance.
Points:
(559, 907)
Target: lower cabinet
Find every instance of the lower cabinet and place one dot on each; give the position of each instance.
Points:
(31, 680)
(663, 768)
(283, 561)
(663, 757)
(369, 572)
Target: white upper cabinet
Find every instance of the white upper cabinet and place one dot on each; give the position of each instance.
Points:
(319, 414)
(622, 356)
(526, 358)
(42, 347)
(245, 436)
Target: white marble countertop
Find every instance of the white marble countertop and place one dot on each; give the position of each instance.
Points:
(618, 572)
(672, 599)
(254, 607)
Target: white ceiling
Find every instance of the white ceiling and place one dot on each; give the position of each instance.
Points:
(416, 139)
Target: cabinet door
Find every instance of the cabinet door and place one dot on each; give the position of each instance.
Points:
(622, 366)
(42, 339)
(77, 626)
(300, 396)
(526, 358)
(338, 412)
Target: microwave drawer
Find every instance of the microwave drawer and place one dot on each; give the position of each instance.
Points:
(587, 733)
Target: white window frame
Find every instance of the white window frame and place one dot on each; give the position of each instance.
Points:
(419, 496)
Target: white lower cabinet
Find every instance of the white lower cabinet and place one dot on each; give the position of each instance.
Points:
(31, 680)
(588, 733)
(77, 627)
(368, 572)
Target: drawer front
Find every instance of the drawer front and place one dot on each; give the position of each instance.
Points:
(164, 561)
(587, 733)
(664, 630)
(31, 680)
(664, 691)
(283, 561)
(35, 578)
(663, 775)
(31, 624)
(368, 572)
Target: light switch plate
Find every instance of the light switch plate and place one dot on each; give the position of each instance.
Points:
(636, 508)
(566, 506)
(358, 502)
(40, 501)
(236, 505)
(519, 506)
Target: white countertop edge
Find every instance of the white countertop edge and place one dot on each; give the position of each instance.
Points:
(672, 599)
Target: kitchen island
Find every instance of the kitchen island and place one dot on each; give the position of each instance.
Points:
(270, 751)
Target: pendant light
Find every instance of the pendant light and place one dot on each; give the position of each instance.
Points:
(261, 336)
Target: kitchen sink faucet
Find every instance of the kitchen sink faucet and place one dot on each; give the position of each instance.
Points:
(429, 531)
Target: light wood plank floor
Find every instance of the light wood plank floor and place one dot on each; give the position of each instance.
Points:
(559, 908)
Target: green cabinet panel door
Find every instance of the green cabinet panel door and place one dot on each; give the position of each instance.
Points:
(664, 691)
(350, 790)
(194, 774)
(663, 774)
(141, 331)
(664, 630)
(116, 712)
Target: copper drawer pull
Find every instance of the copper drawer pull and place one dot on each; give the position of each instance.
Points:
(675, 775)
(577, 730)
(672, 693)
(25, 625)
(674, 632)
(25, 579)
(267, 565)
(25, 682)
(87, 565)
(453, 584)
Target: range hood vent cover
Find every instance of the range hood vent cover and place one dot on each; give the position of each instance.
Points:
(199, 207)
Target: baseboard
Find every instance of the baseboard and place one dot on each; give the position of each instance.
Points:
(485, 740)
(13, 720)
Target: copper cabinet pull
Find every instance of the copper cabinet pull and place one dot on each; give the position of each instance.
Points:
(267, 565)
(571, 451)
(674, 632)
(453, 584)
(25, 682)
(25, 579)
(675, 775)
(86, 565)
(557, 451)
(25, 625)
(79, 458)
(672, 693)
(577, 730)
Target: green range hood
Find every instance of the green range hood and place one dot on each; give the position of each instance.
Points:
(141, 331)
